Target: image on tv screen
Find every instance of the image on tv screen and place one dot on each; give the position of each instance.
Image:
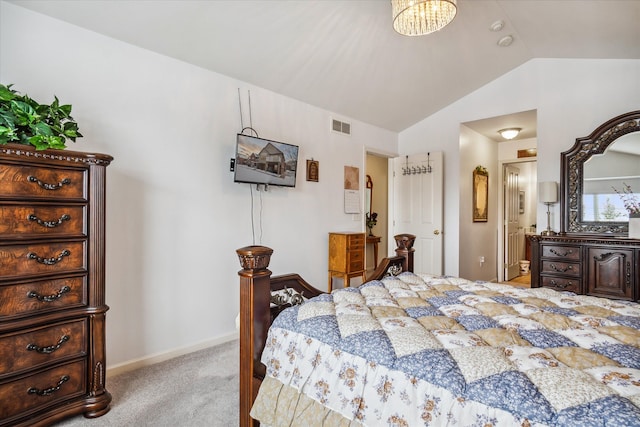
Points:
(260, 161)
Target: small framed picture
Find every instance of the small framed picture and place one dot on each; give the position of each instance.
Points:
(521, 200)
(313, 170)
(480, 194)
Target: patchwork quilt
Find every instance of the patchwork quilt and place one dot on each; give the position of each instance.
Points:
(425, 350)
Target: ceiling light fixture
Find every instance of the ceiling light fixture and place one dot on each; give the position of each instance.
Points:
(505, 41)
(417, 18)
(509, 133)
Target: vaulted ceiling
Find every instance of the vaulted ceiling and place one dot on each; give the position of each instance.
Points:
(345, 57)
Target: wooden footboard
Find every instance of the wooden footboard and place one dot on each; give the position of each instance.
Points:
(257, 312)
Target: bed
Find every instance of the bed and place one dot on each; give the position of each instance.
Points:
(407, 349)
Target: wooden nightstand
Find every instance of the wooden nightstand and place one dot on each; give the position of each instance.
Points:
(346, 257)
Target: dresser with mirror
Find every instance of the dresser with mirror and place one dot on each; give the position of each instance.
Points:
(592, 253)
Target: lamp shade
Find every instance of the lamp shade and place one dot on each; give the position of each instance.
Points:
(548, 192)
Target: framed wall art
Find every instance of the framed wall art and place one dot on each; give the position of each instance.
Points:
(480, 194)
(313, 170)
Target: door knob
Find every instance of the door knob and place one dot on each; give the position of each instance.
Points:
(436, 232)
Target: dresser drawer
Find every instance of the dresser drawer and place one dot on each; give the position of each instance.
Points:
(356, 266)
(41, 182)
(559, 267)
(561, 251)
(34, 348)
(19, 221)
(41, 296)
(560, 283)
(356, 241)
(31, 393)
(34, 259)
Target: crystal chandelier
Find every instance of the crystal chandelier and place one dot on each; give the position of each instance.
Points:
(419, 17)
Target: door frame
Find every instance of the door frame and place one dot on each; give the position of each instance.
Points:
(501, 164)
(387, 234)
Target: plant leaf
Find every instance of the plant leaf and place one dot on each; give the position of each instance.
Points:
(41, 128)
(6, 94)
(66, 109)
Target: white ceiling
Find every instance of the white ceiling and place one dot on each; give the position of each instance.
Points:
(345, 57)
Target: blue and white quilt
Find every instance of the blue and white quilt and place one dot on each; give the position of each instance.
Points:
(417, 350)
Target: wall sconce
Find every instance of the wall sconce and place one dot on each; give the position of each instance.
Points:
(509, 133)
(548, 194)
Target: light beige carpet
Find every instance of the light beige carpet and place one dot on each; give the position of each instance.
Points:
(197, 389)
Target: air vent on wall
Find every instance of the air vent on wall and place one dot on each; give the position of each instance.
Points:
(342, 127)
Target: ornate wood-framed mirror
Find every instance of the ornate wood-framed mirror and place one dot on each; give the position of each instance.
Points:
(592, 170)
(368, 198)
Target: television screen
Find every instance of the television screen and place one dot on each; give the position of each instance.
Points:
(260, 161)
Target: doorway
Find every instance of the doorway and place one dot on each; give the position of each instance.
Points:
(518, 205)
(376, 168)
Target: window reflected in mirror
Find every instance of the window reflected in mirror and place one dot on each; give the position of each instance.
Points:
(606, 173)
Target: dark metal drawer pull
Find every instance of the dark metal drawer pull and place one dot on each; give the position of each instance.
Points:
(561, 270)
(50, 390)
(49, 261)
(557, 285)
(553, 251)
(48, 349)
(49, 298)
(46, 186)
(49, 224)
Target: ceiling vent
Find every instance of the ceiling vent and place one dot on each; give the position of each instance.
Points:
(341, 127)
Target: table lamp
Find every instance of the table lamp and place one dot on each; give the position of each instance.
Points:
(548, 194)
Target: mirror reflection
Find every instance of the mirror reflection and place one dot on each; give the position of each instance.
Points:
(605, 173)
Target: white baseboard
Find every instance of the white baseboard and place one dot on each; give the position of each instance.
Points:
(161, 357)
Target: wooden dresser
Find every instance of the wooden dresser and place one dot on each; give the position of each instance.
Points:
(52, 285)
(597, 266)
(346, 257)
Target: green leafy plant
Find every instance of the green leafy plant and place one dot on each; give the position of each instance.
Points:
(25, 121)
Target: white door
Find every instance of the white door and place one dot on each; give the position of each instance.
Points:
(418, 206)
(511, 222)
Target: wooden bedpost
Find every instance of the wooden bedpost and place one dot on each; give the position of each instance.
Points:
(404, 243)
(255, 294)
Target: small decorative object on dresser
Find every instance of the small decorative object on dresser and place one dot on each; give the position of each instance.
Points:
(632, 206)
(25, 121)
(52, 285)
(634, 226)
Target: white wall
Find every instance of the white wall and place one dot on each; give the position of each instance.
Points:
(572, 98)
(478, 239)
(174, 215)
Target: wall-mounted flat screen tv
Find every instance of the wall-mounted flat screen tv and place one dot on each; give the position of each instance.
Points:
(261, 161)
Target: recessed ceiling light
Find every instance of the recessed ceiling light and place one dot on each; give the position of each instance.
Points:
(497, 26)
(505, 41)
